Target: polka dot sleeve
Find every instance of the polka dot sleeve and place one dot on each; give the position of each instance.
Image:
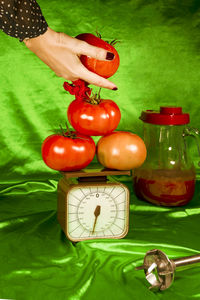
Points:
(21, 19)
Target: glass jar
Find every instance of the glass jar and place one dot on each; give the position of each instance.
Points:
(167, 177)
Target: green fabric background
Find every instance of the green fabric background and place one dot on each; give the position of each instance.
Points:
(160, 65)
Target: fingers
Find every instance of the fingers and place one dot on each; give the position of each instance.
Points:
(67, 77)
(95, 79)
(92, 51)
(79, 47)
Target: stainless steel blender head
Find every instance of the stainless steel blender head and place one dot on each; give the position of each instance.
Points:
(159, 269)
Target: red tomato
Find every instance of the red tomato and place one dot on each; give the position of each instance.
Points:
(94, 119)
(121, 150)
(104, 68)
(67, 153)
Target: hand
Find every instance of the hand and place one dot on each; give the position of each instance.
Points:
(61, 53)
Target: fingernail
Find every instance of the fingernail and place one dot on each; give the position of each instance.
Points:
(115, 89)
(110, 56)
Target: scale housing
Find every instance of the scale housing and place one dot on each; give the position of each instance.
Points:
(87, 177)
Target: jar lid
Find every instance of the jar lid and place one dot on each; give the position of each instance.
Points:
(166, 116)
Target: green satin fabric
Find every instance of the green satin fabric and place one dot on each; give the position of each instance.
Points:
(160, 65)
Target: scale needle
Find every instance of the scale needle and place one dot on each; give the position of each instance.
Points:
(96, 213)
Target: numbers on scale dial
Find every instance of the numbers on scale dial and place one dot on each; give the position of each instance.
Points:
(97, 211)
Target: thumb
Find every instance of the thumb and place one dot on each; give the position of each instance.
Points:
(93, 51)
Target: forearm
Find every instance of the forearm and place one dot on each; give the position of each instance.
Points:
(22, 19)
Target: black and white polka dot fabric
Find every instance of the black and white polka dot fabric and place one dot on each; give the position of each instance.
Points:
(22, 19)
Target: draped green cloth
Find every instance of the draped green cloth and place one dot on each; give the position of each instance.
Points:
(160, 65)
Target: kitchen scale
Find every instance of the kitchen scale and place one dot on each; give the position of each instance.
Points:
(91, 206)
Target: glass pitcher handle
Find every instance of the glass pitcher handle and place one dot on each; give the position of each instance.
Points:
(195, 133)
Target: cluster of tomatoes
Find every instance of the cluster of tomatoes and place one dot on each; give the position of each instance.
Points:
(90, 116)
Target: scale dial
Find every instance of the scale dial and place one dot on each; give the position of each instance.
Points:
(95, 212)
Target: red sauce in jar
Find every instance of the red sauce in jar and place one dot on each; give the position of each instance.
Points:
(165, 187)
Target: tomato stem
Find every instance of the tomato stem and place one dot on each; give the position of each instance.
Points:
(68, 130)
(112, 43)
(63, 133)
(95, 99)
(70, 134)
(99, 94)
(98, 34)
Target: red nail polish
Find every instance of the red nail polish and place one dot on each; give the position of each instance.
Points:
(110, 56)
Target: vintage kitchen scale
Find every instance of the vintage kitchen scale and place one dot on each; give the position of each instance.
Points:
(92, 207)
